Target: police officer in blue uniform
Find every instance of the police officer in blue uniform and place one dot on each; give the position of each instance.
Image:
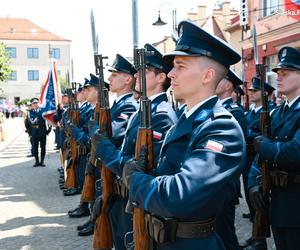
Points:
(39, 132)
(201, 155)
(163, 117)
(225, 221)
(121, 82)
(253, 121)
(82, 136)
(283, 152)
(85, 113)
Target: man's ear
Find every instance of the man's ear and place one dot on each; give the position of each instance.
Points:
(208, 76)
(161, 77)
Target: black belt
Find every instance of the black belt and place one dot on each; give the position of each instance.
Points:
(164, 230)
(282, 178)
(120, 188)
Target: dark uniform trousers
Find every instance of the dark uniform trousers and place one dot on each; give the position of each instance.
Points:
(253, 121)
(283, 151)
(38, 133)
(163, 117)
(226, 220)
(199, 161)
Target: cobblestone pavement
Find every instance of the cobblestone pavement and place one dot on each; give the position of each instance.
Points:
(33, 209)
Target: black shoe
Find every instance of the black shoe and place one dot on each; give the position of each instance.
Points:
(71, 191)
(246, 242)
(35, 164)
(80, 212)
(86, 224)
(257, 245)
(42, 164)
(31, 155)
(89, 230)
(246, 216)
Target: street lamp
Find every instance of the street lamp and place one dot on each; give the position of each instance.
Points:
(159, 22)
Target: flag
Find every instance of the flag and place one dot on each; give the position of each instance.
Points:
(50, 95)
(292, 8)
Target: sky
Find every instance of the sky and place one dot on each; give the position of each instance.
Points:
(70, 19)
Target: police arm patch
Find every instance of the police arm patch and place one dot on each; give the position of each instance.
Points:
(123, 116)
(157, 135)
(214, 146)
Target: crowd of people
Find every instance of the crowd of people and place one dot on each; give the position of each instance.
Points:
(199, 150)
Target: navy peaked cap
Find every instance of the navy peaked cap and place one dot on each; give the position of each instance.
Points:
(93, 82)
(232, 77)
(239, 90)
(156, 60)
(256, 85)
(121, 64)
(289, 58)
(86, 81)
(194, 41)
(80, 87)
(34, 100)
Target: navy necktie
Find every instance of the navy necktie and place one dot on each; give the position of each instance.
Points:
(181, 119)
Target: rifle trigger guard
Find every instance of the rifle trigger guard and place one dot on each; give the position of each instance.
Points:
(128, 241)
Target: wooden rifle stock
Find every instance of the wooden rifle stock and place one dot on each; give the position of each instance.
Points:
(71, 170)
(140, 235)
(261, 224)
(102, 233)
(141, 238)
(88, 191)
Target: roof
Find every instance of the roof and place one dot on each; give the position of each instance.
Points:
(23, 29)
(211, 26)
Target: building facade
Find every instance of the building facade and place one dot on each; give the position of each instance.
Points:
(276, 27)
(30, 48)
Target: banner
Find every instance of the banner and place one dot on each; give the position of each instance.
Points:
(50, 95)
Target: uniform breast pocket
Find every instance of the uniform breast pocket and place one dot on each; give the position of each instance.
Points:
(173, 158)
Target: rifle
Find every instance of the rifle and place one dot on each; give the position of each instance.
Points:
(261, 224)
(88, 190)
(245, 87)
(144, 138)
(75, 119)
(102, 233)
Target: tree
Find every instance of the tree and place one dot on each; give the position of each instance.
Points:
(5, 68)
(63, 83)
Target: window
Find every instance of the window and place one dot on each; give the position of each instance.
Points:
(271, 62)
(32, 53)
(270, 7)
(33, 75)
(56, 53)
(13, 76)
(11, 51)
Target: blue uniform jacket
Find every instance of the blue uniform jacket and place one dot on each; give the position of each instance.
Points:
(163, 117)
(238, 114)
(120, 114)
(283, 151)
(199, 161)
(38, 124)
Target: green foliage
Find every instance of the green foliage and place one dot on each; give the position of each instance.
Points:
(63, 83)
(23, 102)
(5, 68)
